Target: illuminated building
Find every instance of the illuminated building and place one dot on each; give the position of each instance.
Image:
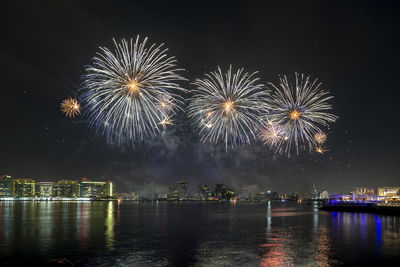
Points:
(92, 189)
(389, 194)
(324, 195)
(172, 193)
(204, 192)
(45, 189)
(222, 192)
(386, 191)
(66, 188)
(6, 186)
(110, 189)
(24, 187)
(364, 191)
(182, 190)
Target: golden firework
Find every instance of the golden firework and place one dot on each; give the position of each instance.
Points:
(294, 115)
(320, 149)
(228, 105)
(70, 107)
(133, 87)
(320, 137)
(166, 121)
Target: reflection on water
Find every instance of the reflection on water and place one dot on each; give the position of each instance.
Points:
(202, 234)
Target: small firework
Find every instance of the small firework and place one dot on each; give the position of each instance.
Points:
(271, 134)
(226, 107)
(320, 149)
(70, 107)
(300, 108)
(166, 121)
(320, 137)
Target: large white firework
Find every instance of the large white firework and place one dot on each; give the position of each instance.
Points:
(226, 107)
(300, 109)
(131, 91)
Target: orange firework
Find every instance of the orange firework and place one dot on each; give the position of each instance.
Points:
(70, 107)
(320, 137)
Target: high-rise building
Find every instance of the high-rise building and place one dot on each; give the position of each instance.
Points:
(66, 188)
(45, 189)
(172, 192)
(222, 192)
(6, 186)
(92, 189)
(182, 190)
(110, 189)
(24, 187)
(204, 192)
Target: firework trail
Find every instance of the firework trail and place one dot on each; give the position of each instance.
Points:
(131, 92)
(70, 107)
(300, 108)
(226, 107)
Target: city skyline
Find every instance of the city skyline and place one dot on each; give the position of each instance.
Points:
(56, 146)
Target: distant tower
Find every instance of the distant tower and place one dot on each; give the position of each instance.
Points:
(182, 189)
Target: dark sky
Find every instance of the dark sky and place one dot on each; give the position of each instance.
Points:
(351, 46)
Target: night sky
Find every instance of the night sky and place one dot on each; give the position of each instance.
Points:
(352, 47)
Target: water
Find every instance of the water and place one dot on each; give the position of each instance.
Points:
(193, 234)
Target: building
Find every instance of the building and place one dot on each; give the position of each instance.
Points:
(386, 191)
(24, 187)
(45, 189)
(92, 189)
(110, 189)
(172, 193)
(204, 192)
(6, 186)
(222, 192)
(324, 195)
(66, 188)
(364, 191)
(182, 190)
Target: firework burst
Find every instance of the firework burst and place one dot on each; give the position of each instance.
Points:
(271, 133)
(320, 137)
(320, 149)
(300, 108)
(226, 107)
(70, 107)
(131, 92)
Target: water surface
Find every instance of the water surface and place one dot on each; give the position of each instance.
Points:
(193, 234)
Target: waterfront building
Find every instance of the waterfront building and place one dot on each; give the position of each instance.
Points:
(222, 192)
(324, 195)
(110, 189)
(92, 189)
(272, 195)
(45, 189)
(182, 189)
(66, 188)
(24, 187)
(386, 191)
(364, 191)
(6, 186)
(172, 193)
(389, 193)
(204, 192)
